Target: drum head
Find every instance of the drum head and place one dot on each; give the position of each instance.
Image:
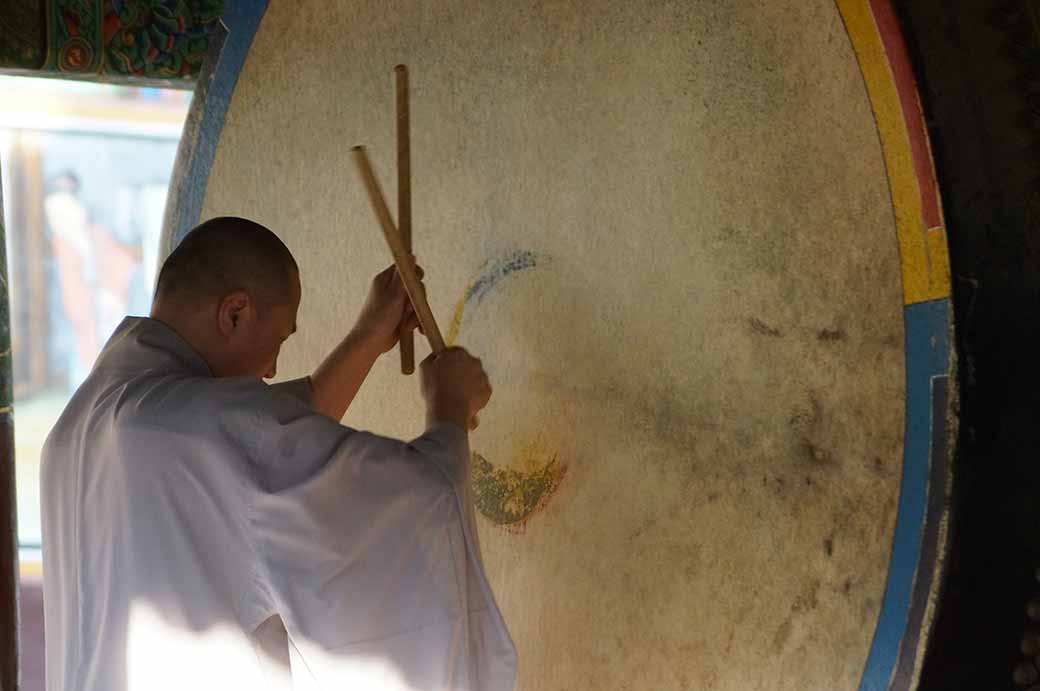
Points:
(668, 231)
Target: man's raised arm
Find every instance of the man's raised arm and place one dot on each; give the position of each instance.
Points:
(337, 380)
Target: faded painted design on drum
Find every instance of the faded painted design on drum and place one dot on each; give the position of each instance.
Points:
(708, 181)
(493, 272)
(508, 496)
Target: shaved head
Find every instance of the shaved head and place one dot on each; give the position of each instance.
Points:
(231, 289)
(224, 255)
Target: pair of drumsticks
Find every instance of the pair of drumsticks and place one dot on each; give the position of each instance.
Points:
(400, 241)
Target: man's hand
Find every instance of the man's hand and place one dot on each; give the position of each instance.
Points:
(455, 387)
(387, 311)
(336, 381)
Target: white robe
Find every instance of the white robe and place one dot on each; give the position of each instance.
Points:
(181, 511)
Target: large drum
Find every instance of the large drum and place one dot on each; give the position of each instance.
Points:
(691, 242)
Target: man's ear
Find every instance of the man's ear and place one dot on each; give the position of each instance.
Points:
(232, 310)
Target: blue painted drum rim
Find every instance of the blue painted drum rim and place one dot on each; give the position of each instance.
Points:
(217, 85)
(921, 498)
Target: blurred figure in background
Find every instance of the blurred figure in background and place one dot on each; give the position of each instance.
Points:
(98, 268)
(117, 252)
(75, 335)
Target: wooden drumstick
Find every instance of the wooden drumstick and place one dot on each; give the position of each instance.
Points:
(404, 196)
(402, 258)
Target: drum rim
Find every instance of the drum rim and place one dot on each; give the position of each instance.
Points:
(917, 556)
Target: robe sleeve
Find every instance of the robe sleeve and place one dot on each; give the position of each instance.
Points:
(366, 547)
(299, 389)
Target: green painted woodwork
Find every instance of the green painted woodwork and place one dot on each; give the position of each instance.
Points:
(22, 35)
(133, 41)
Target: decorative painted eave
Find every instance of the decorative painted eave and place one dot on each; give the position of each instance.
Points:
(143, 42)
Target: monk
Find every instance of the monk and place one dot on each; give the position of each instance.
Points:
(203, 529)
